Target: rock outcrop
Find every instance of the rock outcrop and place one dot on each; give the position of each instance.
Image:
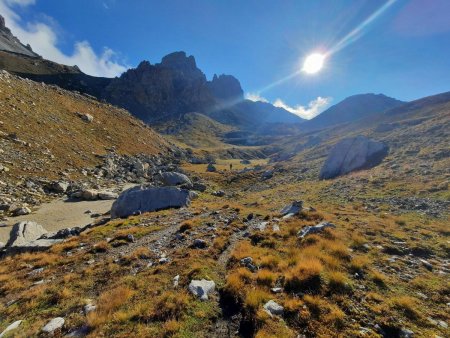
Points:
(29, 236)
(141, 199)
(24, 232)
(154, 92)
(9, 43)
(226, 87)
(353, 154)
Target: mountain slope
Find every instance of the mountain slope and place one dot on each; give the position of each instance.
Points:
(351, 109)
(195, 130)
(154, 93)
(43, 130)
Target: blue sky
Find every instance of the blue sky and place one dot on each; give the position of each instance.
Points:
(404, 52)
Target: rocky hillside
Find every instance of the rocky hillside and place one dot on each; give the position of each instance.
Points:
(49, 132)
(155, 93)
(351, 109)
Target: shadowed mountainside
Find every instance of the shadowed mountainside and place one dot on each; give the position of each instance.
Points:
(351, 109)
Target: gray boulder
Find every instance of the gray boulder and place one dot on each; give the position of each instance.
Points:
(89, 195)
(141, 199)
(292, 209)
(201, 288)
(40, 244)
(350, 154)
(24, 232)
(308, 230)
(59, 187)
(174, 178)
(199, 186)
(211, 168)
(107, 195)
(21, 211)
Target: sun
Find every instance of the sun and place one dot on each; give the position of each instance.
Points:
(313, 63)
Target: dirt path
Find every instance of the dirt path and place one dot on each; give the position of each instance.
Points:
(60, 214)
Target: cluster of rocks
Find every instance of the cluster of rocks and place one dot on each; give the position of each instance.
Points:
(31, 236)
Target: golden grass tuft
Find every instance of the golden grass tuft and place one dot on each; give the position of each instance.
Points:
(378, 278)
(255, 298)
(171, 327)
(170, 305)
(306, 275)
(101, 246)
(108, 303)
(359, 263)
(265, 277)
(338, 282)
(407, 305)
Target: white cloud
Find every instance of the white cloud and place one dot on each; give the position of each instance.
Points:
(314, 108)
(43, 38)
(255, 97)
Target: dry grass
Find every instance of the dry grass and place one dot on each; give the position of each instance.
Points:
(338, 282)
(378, 278)
(407, 305)
(265, 277)
(100, 247)
(306, 275)
(108, 303)
(255, 298)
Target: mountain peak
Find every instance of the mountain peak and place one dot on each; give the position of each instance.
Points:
(179, 61)
(352, 108)
(226, 87)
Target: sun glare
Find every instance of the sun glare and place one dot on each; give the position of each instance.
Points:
(313, 63)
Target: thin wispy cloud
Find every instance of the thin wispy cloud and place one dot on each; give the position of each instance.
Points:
(44, 38)
(314, 107)
(255, 97)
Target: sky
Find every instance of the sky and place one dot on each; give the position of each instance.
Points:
(400, 48)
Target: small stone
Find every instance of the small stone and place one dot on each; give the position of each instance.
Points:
(276, 290)
(406, 333)
(176, 279)
(199, 244)
(201, 288)
(273, 308)
(21, 211)
(427, 264)
(163, 260)
(89, 308)
(211, 168)
(53, 325)
(11, 327)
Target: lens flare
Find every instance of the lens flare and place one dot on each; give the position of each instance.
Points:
(313, 63)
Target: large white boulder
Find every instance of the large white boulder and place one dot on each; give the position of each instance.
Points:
(25, 232)
(354, 153)
(141, 199)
